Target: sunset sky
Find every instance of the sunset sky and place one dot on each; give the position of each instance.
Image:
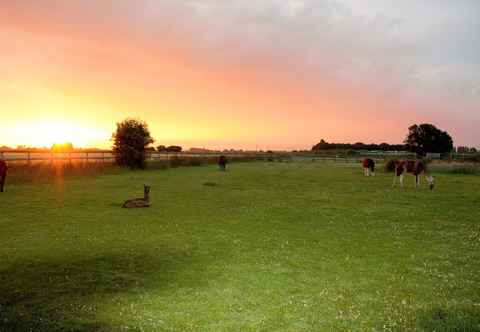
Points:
(272, 74)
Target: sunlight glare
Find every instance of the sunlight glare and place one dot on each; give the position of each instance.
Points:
(47, 133)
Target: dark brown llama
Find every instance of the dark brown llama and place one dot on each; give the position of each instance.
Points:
(139, 202)
(3, 174)
(222, 163)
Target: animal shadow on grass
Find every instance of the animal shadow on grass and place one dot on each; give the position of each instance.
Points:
(61, 296)
(451, 320)
(210, 184)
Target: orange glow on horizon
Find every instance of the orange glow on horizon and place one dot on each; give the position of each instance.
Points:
(70, 72)
(48, 133)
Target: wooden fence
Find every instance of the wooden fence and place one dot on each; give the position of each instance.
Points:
(34, 156)
(107, 156)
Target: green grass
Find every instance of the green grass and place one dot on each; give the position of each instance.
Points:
(300, 246)
(455, 168)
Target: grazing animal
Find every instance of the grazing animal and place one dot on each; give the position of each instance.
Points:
(416, 168)
(3, 174)
(222, 163)
(368, 167)
(139, 202)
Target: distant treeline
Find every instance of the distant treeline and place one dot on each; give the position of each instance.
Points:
(465, 149)
(163, 148)
(323, 145)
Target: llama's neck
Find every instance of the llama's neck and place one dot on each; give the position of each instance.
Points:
(146, 196)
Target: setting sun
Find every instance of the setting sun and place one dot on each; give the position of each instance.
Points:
(47, 133)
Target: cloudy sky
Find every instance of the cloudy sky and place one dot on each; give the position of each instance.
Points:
(239, 73)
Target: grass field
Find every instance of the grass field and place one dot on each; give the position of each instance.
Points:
(301, 246)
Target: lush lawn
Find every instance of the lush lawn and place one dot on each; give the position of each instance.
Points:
(263, 247)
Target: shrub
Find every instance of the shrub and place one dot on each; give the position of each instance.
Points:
(195, 162)
(472, 159)
(390, 165)
(455, 168)
(175, 161)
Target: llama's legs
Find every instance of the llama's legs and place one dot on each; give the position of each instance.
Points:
(2, 183)
(401, 180)
(429, 179)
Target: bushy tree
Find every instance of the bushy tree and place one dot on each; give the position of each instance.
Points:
(174, 148)
(131, 139)
(161, 148)
(425, 138)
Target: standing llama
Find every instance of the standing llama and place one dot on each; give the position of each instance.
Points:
(3, 174)
(368, 167)
(416, 168)
(139, 202)
(222, 163)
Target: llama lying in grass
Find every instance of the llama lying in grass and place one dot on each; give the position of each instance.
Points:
(368, 167)
(416, 168)
(3, 174)
(139, 202)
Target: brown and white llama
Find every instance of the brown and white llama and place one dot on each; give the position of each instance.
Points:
(368, 167)
(139, 202)
(414, 167)
(3, 174)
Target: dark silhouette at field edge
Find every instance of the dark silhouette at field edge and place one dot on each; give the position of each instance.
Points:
(3, 175)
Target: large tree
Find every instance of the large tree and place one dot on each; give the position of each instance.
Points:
(425, 138)
(131, 139)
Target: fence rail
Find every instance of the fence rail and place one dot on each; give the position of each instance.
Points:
(107, 156)
(102, 156)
